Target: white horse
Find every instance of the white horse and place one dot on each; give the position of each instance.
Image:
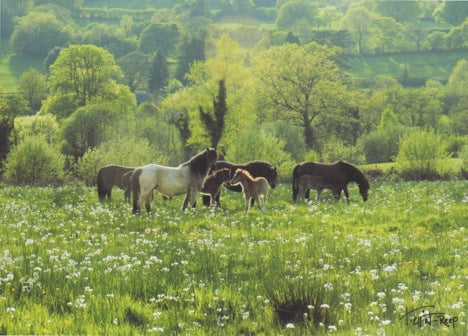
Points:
(187, 179)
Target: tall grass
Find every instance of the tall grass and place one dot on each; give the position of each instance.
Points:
(71, 265)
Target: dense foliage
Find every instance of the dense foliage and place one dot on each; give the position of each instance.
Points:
(211, 72)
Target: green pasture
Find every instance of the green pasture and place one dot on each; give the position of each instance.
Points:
(424, 65)
(12, 66)
(71, 265)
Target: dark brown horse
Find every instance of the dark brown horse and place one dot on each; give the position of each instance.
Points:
(214, 182)
(335, 176)
(109, 176)
(255, 168)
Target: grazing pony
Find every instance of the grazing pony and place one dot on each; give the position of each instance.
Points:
(255, 168)
(187, 179)
(306, 182)
(111, 175)
(335, 176)
(253, 188)
(214, 182)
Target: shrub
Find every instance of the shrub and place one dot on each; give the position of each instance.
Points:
(34, 162)
(43, 125)
(257, 144)
(335, 150)
(421, 155)
(127, 152)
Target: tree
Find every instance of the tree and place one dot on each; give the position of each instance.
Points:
(36, 33)
(401, 11)
(11, 107)
(417, 33)
(33, 88)
(214, 123)
(300, 84)
(159, 73)
(162, 36)
(296, 10)
(191, 49)
(135, 67)
(86, 72)
(359, 21)
(453, 12)
(388, 34)
(110, 38)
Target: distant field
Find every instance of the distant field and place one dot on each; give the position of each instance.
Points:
(428, 65)
(12, 66)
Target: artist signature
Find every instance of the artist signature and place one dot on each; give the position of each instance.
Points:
(422, 316)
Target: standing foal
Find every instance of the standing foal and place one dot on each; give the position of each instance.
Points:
(252, 188)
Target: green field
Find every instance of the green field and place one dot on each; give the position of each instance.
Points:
(70, 265)
(424, 65)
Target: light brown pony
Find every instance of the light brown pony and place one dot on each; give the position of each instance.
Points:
(111, 175)
(213, 184)
(253, 188)
(306, 182)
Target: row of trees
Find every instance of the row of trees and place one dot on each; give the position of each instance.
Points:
(292, 103)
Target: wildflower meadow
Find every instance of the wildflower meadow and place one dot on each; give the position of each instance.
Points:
(394, 265)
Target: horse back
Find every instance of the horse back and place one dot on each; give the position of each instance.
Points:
(330, 173)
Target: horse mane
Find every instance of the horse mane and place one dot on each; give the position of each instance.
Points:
(199, 163)
(245, 173)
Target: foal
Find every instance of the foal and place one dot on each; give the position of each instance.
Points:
(252, 188)
(306, 182)
(213, 184)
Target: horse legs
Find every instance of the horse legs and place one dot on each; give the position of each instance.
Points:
(186, 201)
(345, 190)
(319, 194)
(257, 198)
(247, 204)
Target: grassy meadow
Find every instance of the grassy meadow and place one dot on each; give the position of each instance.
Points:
(71, 265)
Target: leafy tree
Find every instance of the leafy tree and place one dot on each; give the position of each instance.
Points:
(86, 72)
(453, 12)
(267, 147)
(296, 10)
(33, 88)
(359, 21)
(459, 75)
(157, 36)
(300, 84)
(34, 162)
(86, 128)
(416, 33)
(435, 41)
(457, 37)
(36, 33)
(11, 107)
(401, 11)
(110, 38)
(159, 73)
(191, 49)
(227, 64)
(388, 34)
(214, 123)
(329, 14)
(135, 67)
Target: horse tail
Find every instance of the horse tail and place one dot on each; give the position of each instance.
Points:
(101, 188)
(135, 185)
(294, 182)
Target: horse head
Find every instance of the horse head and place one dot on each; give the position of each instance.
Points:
(364, 189)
